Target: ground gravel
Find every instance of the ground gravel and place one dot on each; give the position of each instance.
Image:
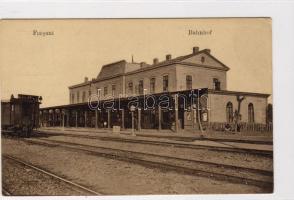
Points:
(113, 177)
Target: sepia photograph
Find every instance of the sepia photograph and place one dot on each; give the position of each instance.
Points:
(158, 106)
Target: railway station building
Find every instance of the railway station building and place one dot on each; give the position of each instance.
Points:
(174, 80)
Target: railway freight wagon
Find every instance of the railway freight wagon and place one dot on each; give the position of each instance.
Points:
(20, 115)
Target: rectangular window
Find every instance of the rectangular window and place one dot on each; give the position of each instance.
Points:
(90, 93)
(152, 85)
(105, 91)
(84, 97)
(130, 87)
(165, 83)
(189, 82)
(216, 84)
(98, 92)
(78, 97)
(72, 98)
(141, 87)
(113, 90)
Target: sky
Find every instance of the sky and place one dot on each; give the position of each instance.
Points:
(47, 65)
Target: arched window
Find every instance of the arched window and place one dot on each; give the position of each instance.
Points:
(229, 111)
(250, 113)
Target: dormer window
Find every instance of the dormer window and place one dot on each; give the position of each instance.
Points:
(202, 59)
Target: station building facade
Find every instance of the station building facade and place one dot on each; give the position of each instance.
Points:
(198, 71)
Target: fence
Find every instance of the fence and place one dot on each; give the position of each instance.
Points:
(244, 127)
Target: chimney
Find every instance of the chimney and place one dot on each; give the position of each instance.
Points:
(195, 50)
(207, 50)
(168, 57)
(155, 61)
(86, 79)
(142, 64)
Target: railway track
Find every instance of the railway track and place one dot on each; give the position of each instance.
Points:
(71, 184)
(174, 144)
(229, 173)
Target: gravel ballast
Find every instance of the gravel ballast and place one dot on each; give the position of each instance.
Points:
(229, 158)
(21, 180)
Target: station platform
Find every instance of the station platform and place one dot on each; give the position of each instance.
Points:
(227, 140)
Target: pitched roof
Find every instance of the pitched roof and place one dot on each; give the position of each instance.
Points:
(181, 58)
(112, 69)
(123, 67)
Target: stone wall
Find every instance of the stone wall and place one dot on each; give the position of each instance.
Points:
(218, 102)
(156, 73)
(201, 77)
